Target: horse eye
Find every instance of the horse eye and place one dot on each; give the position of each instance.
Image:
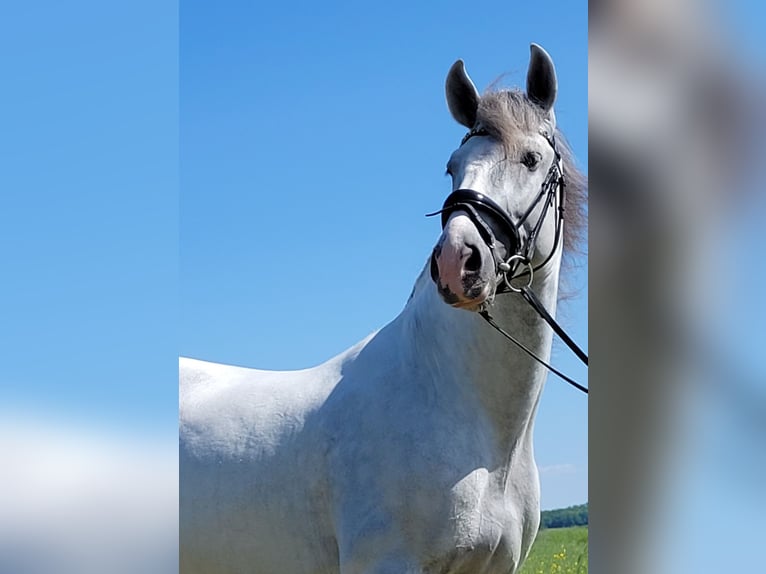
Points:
(531, 159)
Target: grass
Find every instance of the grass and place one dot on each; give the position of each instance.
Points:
(559, 551)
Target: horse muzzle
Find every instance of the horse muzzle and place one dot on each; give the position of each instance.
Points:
(462, 266)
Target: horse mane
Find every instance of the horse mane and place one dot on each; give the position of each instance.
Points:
(506, 113)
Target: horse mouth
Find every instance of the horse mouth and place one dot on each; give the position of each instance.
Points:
(472, 301)
(473, 305)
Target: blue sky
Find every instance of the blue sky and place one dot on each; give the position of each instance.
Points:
(261, 206)
(313, 139)
(89, 212)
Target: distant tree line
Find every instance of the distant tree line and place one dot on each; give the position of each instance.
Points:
(562, 517)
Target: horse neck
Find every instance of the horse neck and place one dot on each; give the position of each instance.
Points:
(467, 355)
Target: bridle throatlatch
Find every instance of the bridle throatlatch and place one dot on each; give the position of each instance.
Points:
(518, 265)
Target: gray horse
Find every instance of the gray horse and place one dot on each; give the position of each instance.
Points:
(410, 452)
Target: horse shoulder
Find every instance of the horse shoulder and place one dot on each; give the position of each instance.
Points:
(252, 464)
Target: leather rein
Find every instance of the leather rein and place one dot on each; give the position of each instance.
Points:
(518, 265)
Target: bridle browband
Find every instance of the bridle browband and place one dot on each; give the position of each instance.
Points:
(518, 261)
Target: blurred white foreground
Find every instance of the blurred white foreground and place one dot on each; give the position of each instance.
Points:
(83, 500)
(678, 393)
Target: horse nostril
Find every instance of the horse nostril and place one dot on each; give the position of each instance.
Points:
(473, 263)
(434, 268)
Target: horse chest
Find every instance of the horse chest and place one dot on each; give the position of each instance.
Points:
(486, 532)
(472, 526)
(438, 487)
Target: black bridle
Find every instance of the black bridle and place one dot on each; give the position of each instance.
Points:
(519, 251)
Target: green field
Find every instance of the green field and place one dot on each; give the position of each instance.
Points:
(559, 551)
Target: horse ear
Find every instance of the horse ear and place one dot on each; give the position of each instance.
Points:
(541, 78)
(462, 96)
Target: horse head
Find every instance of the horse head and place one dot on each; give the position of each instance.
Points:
(502, 220)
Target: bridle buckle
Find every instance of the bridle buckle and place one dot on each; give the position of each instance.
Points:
(506, 266)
